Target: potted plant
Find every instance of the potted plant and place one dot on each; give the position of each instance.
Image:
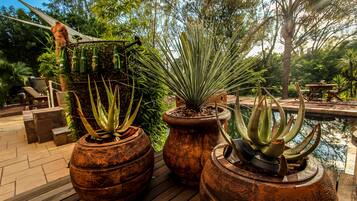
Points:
(196, 67)
(115, 162)
(261, 166)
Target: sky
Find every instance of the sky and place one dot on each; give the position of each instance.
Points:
(17, 4)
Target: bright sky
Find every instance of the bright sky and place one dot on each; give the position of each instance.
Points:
(17, 4)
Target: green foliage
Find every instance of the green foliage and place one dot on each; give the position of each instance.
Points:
(267, 138)
(47, 60)
(108, 120)
(77, 14)
(12, 77)
(153, 95)
(201, 70)
(47, 65)
(122, 19)
(20, 42)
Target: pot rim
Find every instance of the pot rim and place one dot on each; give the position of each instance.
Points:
(195, 121)
(311, 170)
(85, 143)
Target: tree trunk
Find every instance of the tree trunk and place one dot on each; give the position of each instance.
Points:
(288, 48)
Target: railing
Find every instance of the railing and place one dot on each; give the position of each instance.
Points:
(50, 98)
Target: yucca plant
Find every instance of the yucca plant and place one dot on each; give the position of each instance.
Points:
(264, 143)
(108, 119)
(196, 67)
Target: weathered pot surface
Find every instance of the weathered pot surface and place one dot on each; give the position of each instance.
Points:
(112, 171)
(190, 142)
(221, 180)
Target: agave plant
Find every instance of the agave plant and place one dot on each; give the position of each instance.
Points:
(264, 143)
(108, 120)
(196, 67)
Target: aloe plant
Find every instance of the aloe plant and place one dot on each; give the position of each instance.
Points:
(108, 119)
(264, 143)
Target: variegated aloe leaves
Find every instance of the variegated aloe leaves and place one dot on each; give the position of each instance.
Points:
(108, 119)
(268, 139)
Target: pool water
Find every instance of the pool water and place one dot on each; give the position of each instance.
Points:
(335, 136)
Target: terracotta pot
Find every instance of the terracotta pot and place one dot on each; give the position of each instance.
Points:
(190, 142)
(221, 180)
(112, 171)
(219, 99)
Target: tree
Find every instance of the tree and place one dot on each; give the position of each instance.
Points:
(12, 78)
(306, 19)
(123, 18)
(76, 14)
(348, 65)
(20, 42)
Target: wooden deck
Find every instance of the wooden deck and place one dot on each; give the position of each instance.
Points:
(313, 108)
(161, 188)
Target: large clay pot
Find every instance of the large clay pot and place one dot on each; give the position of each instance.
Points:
(112, 171)
(223, 181)
(190, 142)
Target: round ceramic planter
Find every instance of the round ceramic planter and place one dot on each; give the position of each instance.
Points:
(190, 142)
(112, 171)
(223, 181)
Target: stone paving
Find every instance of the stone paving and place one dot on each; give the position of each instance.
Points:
(26, 166)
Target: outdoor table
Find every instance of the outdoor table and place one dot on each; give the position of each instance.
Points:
(316, 91)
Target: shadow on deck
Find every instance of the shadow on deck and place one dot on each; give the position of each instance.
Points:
(161, 188)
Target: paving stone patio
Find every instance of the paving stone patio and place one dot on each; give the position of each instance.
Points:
(26, 166)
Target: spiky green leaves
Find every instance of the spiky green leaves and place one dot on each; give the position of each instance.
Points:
(195, 67)
(269, 139)
(108, 119)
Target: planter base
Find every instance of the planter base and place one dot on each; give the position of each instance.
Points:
(221, 180)
(190, 143)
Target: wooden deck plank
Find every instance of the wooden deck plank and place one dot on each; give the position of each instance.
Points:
(186, 194)
(195, 198)
(153, 193)
(42, 189)
(163, 187)
(52, 193)
(169, 193)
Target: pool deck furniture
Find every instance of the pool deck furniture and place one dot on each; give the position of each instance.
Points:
(33, 95)
(163, 187)
(313, 108)
(40, 122)
(317, 91)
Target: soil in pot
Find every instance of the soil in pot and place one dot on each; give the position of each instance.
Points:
(221, 180)
(191, 140)
(118, 170)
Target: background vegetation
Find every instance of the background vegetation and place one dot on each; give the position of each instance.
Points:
(300, 40)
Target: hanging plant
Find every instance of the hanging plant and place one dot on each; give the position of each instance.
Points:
(75, 66)
(116, 58)
(83, 61)
(95, 59)
(63, 61)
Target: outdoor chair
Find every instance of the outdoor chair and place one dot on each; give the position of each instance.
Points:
(333, 94)
(36, 95)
